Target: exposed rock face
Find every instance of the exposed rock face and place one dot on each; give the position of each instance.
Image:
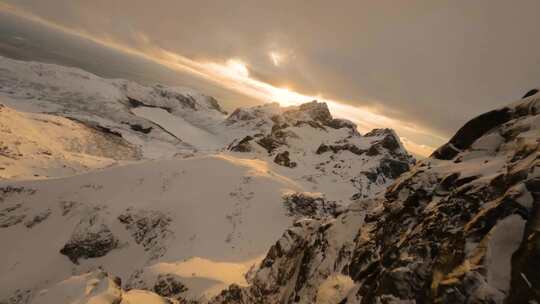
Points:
(392, 169)
(242, 146)
(530, 93)
(214, 104)
(282, 159)
(168, 285)
(148, 228)
(471, 131)
(317, 111)
(271, 143)
(311, 205)
(91, 238)
(323, 149)
(340, 147)
(456, 228)
(140, 128)
(338, 123)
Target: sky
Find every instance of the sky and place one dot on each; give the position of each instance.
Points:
(421, 67)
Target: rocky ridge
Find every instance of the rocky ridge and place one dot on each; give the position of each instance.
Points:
(459, 227)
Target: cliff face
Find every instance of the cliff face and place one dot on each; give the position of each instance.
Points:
(459, 227)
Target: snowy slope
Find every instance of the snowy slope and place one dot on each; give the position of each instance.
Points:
(73, 93)
(459, 227)
(139, 221)
(159, 187)
(325, 154)
(44, 146)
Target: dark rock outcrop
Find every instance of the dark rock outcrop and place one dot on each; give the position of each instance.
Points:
(338, 123)
(530, 93)
(214, 104)
(317, 111)
(282, 159)
(471, 131)
(91, 238)
(311, 205)
(168, 285)
(270, 143)
(149, 228)
(323, 148)
(392, 169)
(139, 128)
(242, 146)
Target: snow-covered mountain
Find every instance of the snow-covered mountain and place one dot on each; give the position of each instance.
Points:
(40, 145)
(115, 191)
(459, 227)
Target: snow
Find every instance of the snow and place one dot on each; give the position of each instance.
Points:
(91, 288)
(504, 241)
(160, 183)
(142, 297)
(213, 232)
(334, 289)
(68, 148)
(197, 137)
(212, 276)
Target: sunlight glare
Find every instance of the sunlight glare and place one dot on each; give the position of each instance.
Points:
(238, 67)
(276, 58)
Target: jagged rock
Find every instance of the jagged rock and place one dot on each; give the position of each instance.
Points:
(306, 204)
(91, 238)
(289, 134)
(214, 104)
(444, 232)
(149, 228)
(242, 146)
(530, 93)
(139, 128)
(234, 295)
(168, 285)
(392, 169)
(471, 131)
(270, 143)
(338, 123)
(336, 148)
(282, 159)
(318, 111)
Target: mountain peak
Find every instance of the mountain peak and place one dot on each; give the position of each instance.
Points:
(317, 111)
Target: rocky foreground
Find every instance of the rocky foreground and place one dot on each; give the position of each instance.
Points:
(459, 227)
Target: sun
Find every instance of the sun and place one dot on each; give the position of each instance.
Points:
(237, 67)
(287, 97)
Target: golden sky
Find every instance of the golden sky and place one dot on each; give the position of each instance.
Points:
(377, 63)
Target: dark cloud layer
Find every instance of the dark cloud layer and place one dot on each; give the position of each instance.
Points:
(434, 63)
